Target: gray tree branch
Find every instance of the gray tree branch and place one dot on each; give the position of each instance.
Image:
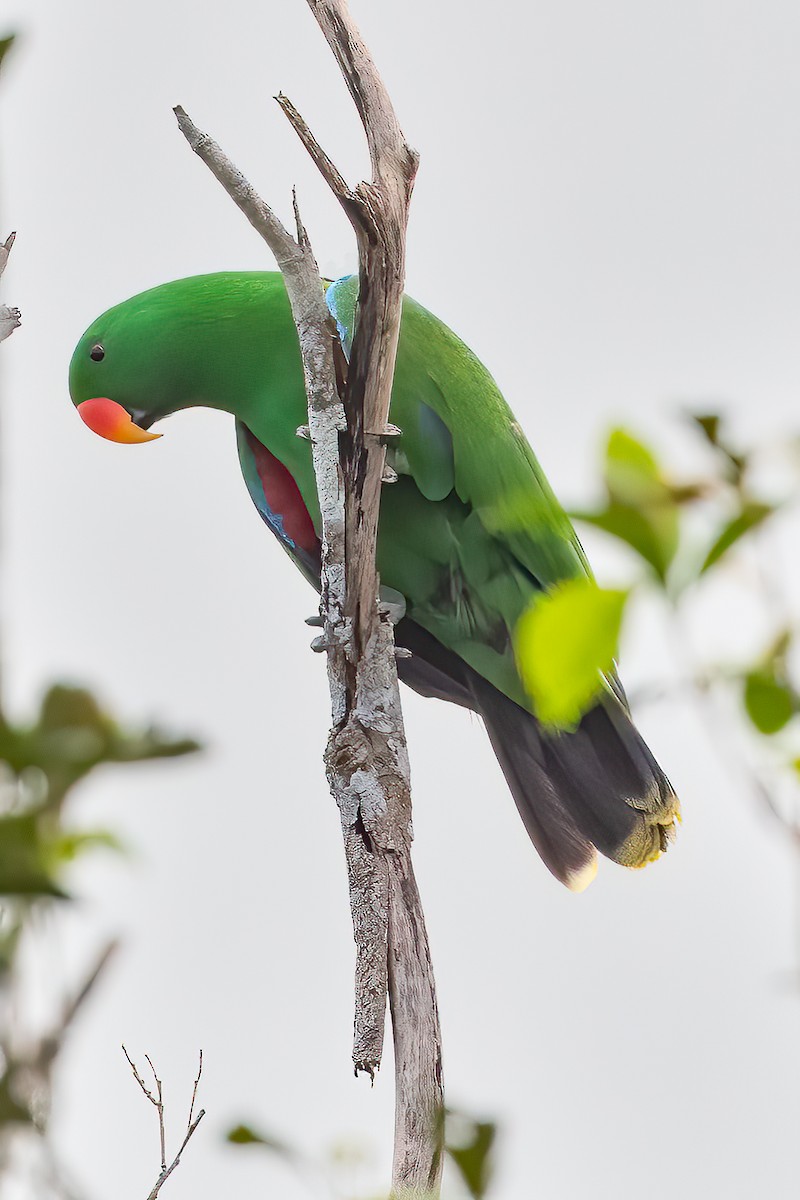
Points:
(366, 757)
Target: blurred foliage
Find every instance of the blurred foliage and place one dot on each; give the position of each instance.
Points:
(468, 1147)
(565, 646)
(684, 534)
(640, 504)
(5, 45)
(41, 764)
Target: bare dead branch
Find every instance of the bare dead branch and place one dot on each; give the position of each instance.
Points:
(367, 877)
(366, 757)
(259, 214)
(327, 168)
(384, 135)
(157, 1101)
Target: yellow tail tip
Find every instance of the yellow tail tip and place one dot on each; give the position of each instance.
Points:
(578, 881)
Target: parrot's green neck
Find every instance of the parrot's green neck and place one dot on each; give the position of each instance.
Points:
(249, 365)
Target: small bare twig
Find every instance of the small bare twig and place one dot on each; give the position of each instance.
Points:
(10, 318)
(194, 1090)
(157, 1101)
(5, 250)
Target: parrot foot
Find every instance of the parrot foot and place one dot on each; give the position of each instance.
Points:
(390, 434)
(392, 604)
(303, 432)
(316, 621)
(389, 474)
(402, 652)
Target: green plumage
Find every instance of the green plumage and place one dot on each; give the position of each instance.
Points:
(470, 532)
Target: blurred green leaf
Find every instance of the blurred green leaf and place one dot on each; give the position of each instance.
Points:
(565, 643)
(709, 423)
(69, 846)
(711, 426)
(11, 1111)
(653, 535)
(5, 45)
(73, 735)
(769, 701)
(25, 856)
(632, 473)
(642, 507)
(471, 1153)
(752, 515)
(245, 1135)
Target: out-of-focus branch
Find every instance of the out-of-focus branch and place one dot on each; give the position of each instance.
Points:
(157, 1101)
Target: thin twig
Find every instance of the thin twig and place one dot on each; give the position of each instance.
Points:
(158, 1102)
(160, 1107)
(5, 250)
(10, 318)
(327, 168)
(194, 1089)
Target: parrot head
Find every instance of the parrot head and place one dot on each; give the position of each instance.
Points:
(122, 377)
(176, 346)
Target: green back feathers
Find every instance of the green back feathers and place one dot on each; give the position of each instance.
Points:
(470, 531)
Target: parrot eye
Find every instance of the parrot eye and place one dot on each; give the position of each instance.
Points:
(97, 353)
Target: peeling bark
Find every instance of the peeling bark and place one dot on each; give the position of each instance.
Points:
(366, 757)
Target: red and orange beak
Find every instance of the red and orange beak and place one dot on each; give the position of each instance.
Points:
(112, 421)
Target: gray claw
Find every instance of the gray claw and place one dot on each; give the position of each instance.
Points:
(392, 604)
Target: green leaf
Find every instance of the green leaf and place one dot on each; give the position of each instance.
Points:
(653, 533)
(245, 1135)
(643, 507)
(752, 515)
(709, 423)
(24, 856)
(565, 643)
(5, 45)
(11, 1111)
(472, 1154)
(770, 702)
(711, 426)
(72, 844)
(632, 473)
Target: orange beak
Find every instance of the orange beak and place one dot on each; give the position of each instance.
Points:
(111, 421)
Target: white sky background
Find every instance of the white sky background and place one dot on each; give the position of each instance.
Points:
(607, 212)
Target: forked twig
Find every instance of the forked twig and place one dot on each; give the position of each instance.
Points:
(157, 1101)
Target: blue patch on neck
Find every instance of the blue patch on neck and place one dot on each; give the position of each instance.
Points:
(341, 298)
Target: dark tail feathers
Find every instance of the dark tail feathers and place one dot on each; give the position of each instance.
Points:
(598, 787)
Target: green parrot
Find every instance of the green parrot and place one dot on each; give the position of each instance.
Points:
(469, 535)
